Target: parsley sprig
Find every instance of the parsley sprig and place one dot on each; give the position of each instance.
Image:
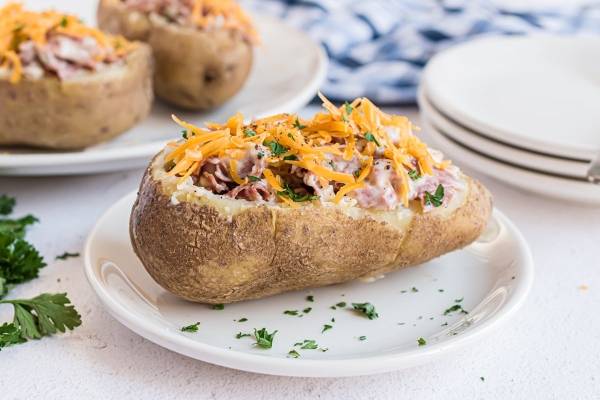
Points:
(43, 315)
(6, 204)
(288, 191)
(191, 328)
(19, 262)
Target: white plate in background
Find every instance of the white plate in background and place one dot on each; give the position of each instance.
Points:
(536, 92)
(572, 191)
(284, 78)
(494, 149)
(493, 277)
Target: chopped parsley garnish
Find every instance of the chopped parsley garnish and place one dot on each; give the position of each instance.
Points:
(298, 344)
(435, 199)
(6, 204)
(415, 290)
(310, 298)
(357, 173)
(367, 308)
(344, 118)
(482, 379)
(66, 255)
(445, 324)
(289, 192)
(291, 136)
(348, 108)
(243, 320)
(323, 350)
(295, 312)
(311, 198)
(459, 300)
(309, 345)
(63, 22)
(455, 307)
(512, 277)
(441, 290)
(276, 148)
(218, 307)
(298, 125)
(362, 338)
(293, 354)
(191, 328)
(421, 342)
(369, 136)
(43, 315)
(184, 134)
(342, 304)
(307, 310)
(249, 132)
(326, 328)
(253, 178)
(414, 174)
(332, 319)
(261, 154)
(332, 164)
(404, 291)
(263, 338)
(400, 323)
(241, 335)
(420, 317)
(291, 157)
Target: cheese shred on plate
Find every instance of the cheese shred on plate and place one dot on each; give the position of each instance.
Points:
(308, 144)
(18, 26)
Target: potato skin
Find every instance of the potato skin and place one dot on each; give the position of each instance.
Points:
(79, 112)
(193, 252)
(195, 69)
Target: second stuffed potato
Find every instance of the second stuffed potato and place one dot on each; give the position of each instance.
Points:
(203, 48)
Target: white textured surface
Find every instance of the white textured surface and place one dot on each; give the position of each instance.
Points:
(550, 350)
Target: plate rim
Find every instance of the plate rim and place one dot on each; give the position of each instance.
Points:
(495, 167)
(487, 129)
(308, 367)
(57, 159)
(478, 141)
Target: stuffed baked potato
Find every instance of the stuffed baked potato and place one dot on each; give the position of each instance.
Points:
(64, 85)
(242, 211)
(203, 48)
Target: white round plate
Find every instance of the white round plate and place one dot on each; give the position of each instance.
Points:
(494, 149)
(537, 92)
(572, 191)
(285, 77)
(492, 276)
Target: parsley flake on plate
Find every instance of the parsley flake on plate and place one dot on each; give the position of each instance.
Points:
(243, 320)
(218, 307)
(362, 338)
(241, 335)
(441, 290)
(310, 298)
(342, 304)
(323, 350)
(326, 328)
(435, 199)
(309, 345)
(191, 328)
(445, 324)
(415, 290)
(459, 300)
(367, 308)
(263, 338)
(307, 310)
(294, 312)
(293, 354)
(482, 378)
(421, 342)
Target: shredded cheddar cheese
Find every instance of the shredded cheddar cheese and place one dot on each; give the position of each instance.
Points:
(17, 26)
(358, 130)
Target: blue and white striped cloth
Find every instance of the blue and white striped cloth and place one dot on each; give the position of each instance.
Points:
(377, 48)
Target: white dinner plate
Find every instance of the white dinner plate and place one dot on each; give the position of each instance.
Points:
(284, 78)
(492, 277)
(495, 149)
(572, 191)
(537, 92)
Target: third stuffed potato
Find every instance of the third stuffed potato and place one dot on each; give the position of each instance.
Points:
(201, 60)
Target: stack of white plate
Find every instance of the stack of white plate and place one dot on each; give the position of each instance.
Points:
(524, 110)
